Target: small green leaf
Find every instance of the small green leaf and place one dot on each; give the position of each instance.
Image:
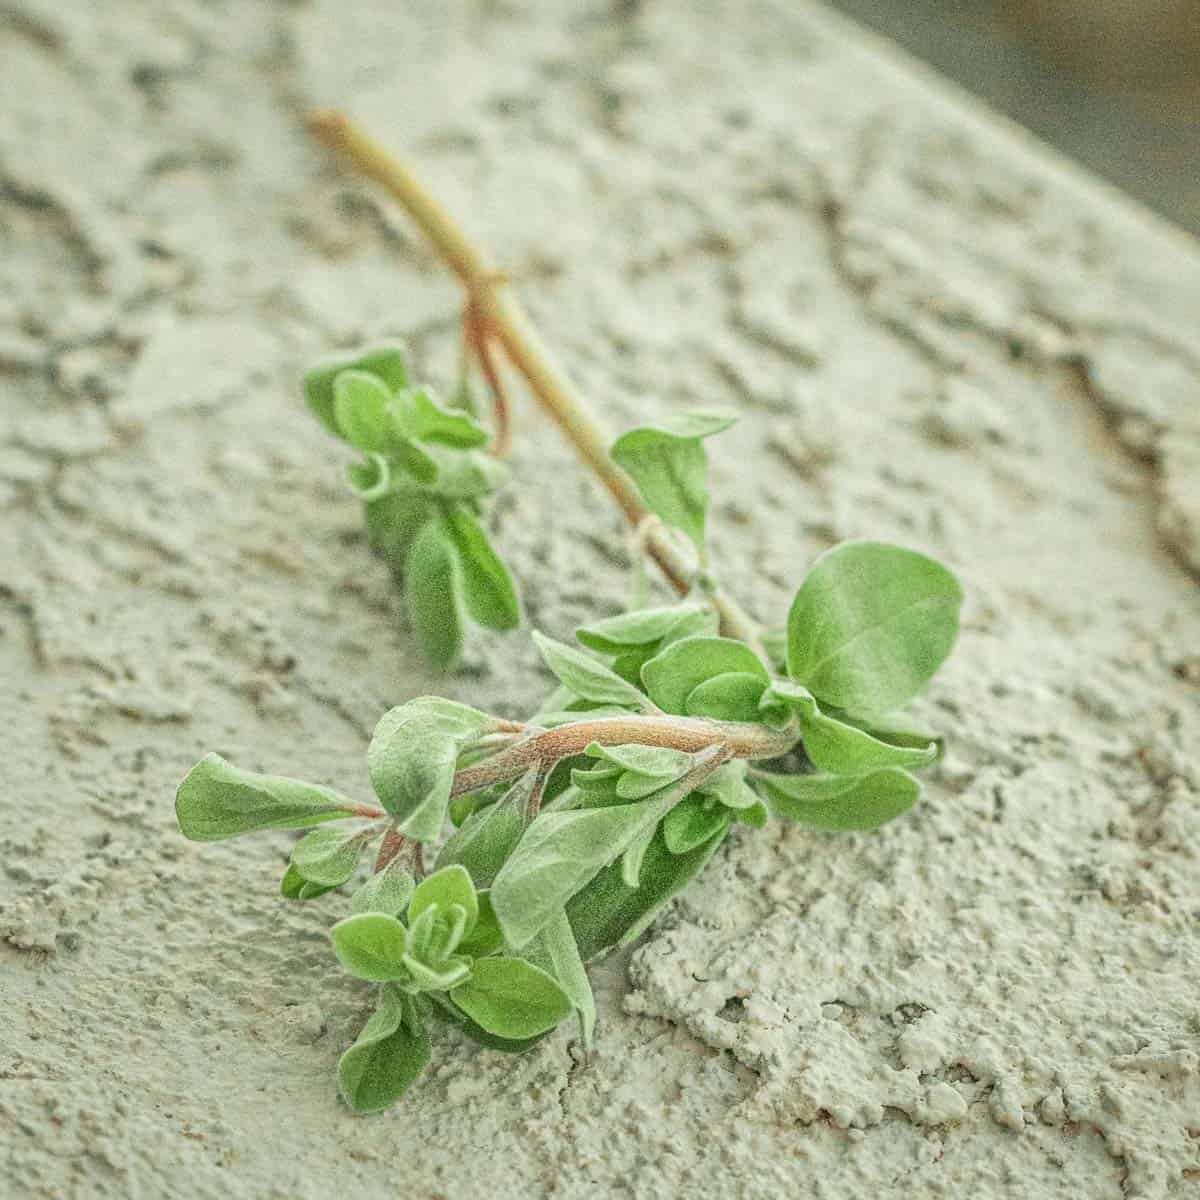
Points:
(645, 627)
(871, 624)
(360, 408)
(512, 998)
(839, 801)
(692, 823)
(756, 816)
(329, 856)
(390, 1053)
(555, 951)
(670, 467)
(897, 729)
(465, 474)
(371, 945)
(732, 696)
(487, 587)
(218, 800)
(446, 886)
(387, 891)
(431, 592)
(416, 462)
(586, 676)
(486, 937)
(672, 675)
(774, 642)
(834, 746)
(293, 886)
(631, 860)
(385, 361)
(422, 932)
(562, 851)
(418, 415)
(727, 786)
(487, 838)
(644, 769)
(370, 479)
(445, 975)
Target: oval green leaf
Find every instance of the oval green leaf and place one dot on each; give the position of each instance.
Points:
(512, 998)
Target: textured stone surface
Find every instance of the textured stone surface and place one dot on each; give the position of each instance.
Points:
(936, 334)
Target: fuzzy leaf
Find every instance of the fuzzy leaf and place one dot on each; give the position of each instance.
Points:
(328, 856)
(631, 860)
(370, 479)
(218, 800)
(871, 624)
(839, 801)
(431, 594)
(385, 361)
(512, 998)
(586, 676)
(418, 415)
(387, 891)
(487, 838)
(607, 913)
(486, 937)
(644, 769)
(555, 951)
(360, 408)
(439, 977)
(672, 675)
(389, 1054)
(465, 474)
(562, 851)
(293, 886)
(692, 823)
(669, 464)
(446, 886)
(393, 522)
(731, 696)
(412, 759)
(487, 587)
(836, 747)
(645, 627)
(371, 945)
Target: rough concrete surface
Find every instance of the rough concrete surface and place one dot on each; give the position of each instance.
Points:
(936, 334)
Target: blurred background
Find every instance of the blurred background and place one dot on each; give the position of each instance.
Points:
(1114, 84)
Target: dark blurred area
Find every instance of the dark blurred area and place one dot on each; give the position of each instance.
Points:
(1114, 84)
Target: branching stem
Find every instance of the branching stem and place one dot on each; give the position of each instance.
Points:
(505, 320)
(690, 734)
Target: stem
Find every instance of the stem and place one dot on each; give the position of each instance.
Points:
(690, 734)
(392, 844)
(488, 289)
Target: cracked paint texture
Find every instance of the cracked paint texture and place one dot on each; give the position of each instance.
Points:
(935, 332)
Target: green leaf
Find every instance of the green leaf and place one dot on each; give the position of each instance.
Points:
(840, 802)
(387, 891)
(371, 945)
(631, 860)
(562, 851)
(418, 415)
(586, 676)
(218, 800)
(774, 642)
(645, 627)
(415, 461)
(644, 769)
(607, 913)
(431, 595)
(487, 838)
(385, 361)
(329, 856)
(512, 998)
(670, 467)
(412, 759)
(692, 823)
(486, 937)
(465, 474)
(555, 951)
(727, 785)
(393, 522)
(360, 408)
(672, 675)
(731, 696)
(390, 1053)
(756, 816)
(442, 977)
(370, 479)
(834, 746)
(446, 886)
(871, 624)
(293, 886)
(897, 729)
(487, 587)
(476, 1031)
